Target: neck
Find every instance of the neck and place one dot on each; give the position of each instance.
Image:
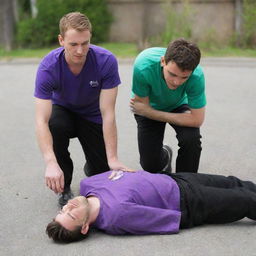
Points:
(94, 206)
(74, 67)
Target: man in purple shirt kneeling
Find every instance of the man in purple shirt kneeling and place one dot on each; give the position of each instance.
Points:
(76, 90)
(145, 203)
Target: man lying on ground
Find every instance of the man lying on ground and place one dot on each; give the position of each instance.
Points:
(145, 203)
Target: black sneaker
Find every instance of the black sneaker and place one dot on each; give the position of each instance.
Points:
(65, 196)
(168, 167)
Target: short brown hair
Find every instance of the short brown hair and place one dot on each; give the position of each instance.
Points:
(185, 54)
(60, 234)
(74, 20)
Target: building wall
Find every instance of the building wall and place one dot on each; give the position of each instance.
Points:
(135, 20)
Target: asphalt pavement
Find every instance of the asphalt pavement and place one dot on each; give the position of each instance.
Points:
(27, 205)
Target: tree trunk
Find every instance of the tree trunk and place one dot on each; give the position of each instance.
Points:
(143, 37)
(238, 21)
(15, 6)
(7, 24)
(33, 8)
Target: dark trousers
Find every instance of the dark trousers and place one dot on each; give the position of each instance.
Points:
(214, 199)
(65, 125)
(150, 143)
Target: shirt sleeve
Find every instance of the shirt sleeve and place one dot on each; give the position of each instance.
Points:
(139, 219)
(110, 74)
(140, 86)
(44, 83)
(196, 92)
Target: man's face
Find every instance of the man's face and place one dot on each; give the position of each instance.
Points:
(173, 75)
(74, 213)
(76, 45)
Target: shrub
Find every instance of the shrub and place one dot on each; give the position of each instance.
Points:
(249, 23)
(42, 31)
(178, 23)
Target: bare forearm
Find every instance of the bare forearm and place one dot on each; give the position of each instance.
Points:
(44, 138)
(110, 139)
(180, 119)
(190, 118)
(107, 108)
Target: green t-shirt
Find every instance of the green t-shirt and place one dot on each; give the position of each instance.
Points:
(148, 81)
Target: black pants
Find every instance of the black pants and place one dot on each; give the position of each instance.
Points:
(214, 199)
(65, 125)
(150, 142)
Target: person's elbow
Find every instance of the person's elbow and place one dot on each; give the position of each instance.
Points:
(41, 121)
(197, 117)
(108, 116)
(198, 122)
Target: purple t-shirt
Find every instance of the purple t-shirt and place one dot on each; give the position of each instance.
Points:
(137, 203)
(79, 93)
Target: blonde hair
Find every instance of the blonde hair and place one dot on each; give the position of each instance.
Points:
(74, 20)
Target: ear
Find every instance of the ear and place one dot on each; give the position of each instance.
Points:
(85, 228)
(162, 61)
(61, 40)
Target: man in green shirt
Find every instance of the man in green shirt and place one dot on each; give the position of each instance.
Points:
(169, 87)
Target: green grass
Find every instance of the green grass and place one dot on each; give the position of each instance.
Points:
(121, 50)
(229, 52)
(25, 53)
(128, 50)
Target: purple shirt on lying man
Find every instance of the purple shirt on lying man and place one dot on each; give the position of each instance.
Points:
(135, 203)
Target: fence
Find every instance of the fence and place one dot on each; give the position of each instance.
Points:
(136, 20)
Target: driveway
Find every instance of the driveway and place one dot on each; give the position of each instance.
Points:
(229, 148)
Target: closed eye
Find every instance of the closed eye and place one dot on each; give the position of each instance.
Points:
(174, 75)
(171, 74)
(70, 215)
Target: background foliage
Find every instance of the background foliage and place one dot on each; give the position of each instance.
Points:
(42, 31)
(179, 24)
(249, 24)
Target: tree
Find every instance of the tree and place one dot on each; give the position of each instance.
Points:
(7, 23)
(238, 21)
(33, 8)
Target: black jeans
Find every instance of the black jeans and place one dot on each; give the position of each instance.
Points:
(150, 142)
(214, 199)
(65, 125)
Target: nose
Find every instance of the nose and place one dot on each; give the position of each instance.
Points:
(68, 207)
(73, 203)
(177, 81)
(80, 49)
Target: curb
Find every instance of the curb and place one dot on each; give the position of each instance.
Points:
(206, 61)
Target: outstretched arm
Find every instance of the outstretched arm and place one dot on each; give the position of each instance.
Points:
(192, 118)
(54, 176)
(107, 108)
